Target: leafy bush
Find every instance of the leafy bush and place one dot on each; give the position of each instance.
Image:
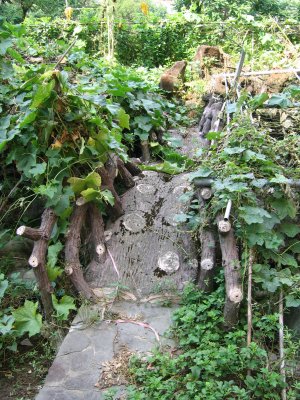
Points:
(210, 363)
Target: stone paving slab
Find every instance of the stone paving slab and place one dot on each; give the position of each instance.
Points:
(78, 364)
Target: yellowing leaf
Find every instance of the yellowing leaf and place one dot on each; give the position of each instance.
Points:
(68, 13)
(145, 8)
(56, 145)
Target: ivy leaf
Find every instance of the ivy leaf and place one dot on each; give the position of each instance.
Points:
(90, 194)
(284, 207)
(108, 197)
(77, 184)
(233, 150)
(29, 117)
(288, 259)
(54, 272)
(27, 319)
(3, 285)
(203, 172)
(279, 179)
(123, 119)
(281, 100)
(93, 180)
(253, 215)
(38, 169)
(4, 45)
(6, 324)
(42, 94)
(291, 301)
(63, 306)
(258, 100)
(53, 252)
(289, 229)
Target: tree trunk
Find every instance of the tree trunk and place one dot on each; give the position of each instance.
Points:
(72, 249)
(208, 260)
(145, 151)
(231, 264)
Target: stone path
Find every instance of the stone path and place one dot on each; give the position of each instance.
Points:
(93, 355)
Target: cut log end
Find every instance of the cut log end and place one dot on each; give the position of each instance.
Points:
(207, 264)
(100, 249)
(68, 270)
(33, 262)
(206, 193)
(224, 226)
(235, 295)
(21, 230)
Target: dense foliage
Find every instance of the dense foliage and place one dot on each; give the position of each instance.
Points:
(210, 364)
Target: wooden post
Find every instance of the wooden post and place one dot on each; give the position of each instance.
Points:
(145, 151)
(231, 264)
(208, 260)
(37, 259)
(72, 249)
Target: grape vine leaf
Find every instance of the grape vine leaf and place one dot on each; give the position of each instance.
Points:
(27, 319)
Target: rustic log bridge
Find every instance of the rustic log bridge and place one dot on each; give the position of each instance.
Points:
(208, 260)
(37, 259)
(72, 250)
(231, 264)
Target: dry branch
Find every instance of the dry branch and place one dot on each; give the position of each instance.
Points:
(72, 249)
(125, 175)
(231, 264)
(116, 210)
(37, 259)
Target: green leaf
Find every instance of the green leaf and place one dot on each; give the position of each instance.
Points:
(291, 230)
(3, 285)
(42, 94)
(279, 179)
(253, 215)
(77, 184)
(27, 319)
(4, 45)
(63, 306)
(284, 207)
(281, 100)
(233, 150)
(93, 180)
(38, 169)
(6, 324)
(108, 197)
(123, 119)
(29, 117)
(258, 100)
(291, 301)
(53, 252)
(90, 194)
(54, 272)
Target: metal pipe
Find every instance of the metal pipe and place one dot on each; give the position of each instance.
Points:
(228, 210)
